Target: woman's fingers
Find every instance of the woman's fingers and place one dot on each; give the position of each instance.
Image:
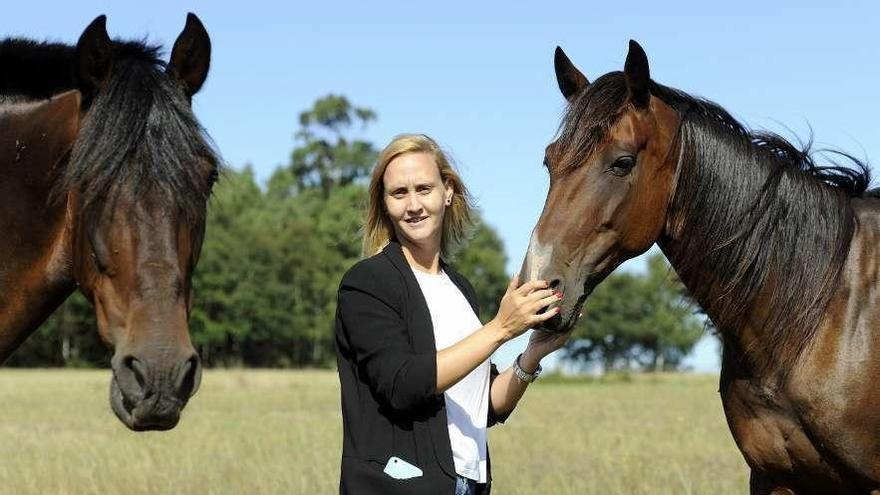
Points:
(541, 294)
(544, 302)
(544, 316)
(530, 286)
(514, 283)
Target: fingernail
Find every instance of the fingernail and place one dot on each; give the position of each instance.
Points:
(559, 295)
(558, 309)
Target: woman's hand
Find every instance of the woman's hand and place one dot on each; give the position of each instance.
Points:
(519, 307)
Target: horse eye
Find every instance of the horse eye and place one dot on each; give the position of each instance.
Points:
(622, 166)
(546, 163)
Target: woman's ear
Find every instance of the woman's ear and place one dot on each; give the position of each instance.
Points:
(450, 190)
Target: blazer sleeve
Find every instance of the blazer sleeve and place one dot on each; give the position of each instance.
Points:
(494, 418)
(380, 345)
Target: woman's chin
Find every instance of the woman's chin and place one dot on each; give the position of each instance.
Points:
(419, 235)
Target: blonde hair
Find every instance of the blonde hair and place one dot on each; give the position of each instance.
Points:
(458, 219)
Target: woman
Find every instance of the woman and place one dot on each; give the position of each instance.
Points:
(418, 390)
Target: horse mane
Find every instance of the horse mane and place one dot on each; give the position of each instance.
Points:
(139, 134)
(35, 70)
(758, 216)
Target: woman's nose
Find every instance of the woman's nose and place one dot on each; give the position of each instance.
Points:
(413, 203)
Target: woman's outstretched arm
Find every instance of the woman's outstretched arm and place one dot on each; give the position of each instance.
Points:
(517, 313)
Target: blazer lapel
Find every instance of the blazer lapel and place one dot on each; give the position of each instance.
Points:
(418, 315)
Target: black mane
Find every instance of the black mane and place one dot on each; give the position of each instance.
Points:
(139, 134)
(758, 215)
(775, 150)
(35, 70)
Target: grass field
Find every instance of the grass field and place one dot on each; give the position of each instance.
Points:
(268, 432)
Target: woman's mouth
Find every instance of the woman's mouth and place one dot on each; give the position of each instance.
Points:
(415, 220)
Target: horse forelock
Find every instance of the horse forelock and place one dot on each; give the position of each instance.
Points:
(588, 120)
(139, 135)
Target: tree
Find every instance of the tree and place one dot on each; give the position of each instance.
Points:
(325, 155)
(637, 320)
(230, 284)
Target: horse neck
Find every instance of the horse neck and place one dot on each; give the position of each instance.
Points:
(35, 278)
(34, 247)
(758, 244)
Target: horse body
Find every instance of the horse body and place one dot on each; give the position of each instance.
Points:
(104, 188)
(808, 428)
(782, 255)
(802, 418)
(816, 432)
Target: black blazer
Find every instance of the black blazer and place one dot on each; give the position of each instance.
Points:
(387, 362)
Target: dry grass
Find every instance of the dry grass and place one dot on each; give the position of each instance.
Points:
(268, 432)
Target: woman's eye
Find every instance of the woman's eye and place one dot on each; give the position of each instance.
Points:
(622, 166)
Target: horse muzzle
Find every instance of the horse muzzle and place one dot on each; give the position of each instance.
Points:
(147, 397)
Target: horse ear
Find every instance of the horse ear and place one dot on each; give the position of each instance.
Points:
(191, 56)
(94, 56)
(638, 77)
(569, 78)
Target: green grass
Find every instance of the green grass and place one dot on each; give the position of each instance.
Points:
(267, 432)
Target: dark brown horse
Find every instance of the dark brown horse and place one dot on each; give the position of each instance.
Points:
(104, 180)
(781, 253)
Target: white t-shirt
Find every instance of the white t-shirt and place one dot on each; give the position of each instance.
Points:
(467, 402)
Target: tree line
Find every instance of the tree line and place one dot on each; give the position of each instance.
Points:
(273, 256)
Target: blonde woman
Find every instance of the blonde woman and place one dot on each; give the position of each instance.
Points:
(418, 390)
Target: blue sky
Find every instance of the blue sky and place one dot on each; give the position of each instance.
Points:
(478, 76)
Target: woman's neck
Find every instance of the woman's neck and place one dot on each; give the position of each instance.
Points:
(423, 259)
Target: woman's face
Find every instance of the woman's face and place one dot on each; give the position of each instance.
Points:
(415, 199)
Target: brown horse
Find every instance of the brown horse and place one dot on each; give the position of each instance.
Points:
(104, 188)
(781, 253)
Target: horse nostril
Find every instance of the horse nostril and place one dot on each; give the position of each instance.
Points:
(554, 283)
(137, 369)
(189, 377)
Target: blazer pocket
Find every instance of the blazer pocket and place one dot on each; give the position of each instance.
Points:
(366, 477)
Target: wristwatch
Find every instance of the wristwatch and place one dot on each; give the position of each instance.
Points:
(521, 373)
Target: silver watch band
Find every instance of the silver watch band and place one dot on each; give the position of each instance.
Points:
(521, 373)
